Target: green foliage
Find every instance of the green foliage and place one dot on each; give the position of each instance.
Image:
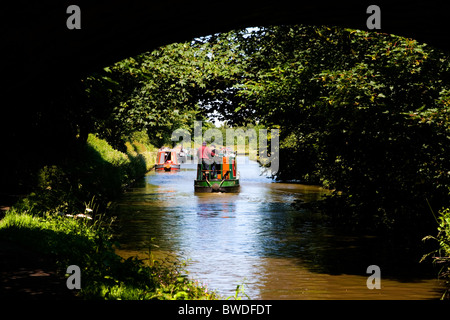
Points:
(106, 152)
(362, 113)
(88, 244)
(68, 240)
(148, 98)
(99, 172)
(167, 89)
(239, 293)
(441, 256)
(53, 192)
(49, 222)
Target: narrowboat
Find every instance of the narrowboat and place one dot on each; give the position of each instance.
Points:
(223, 178)
(167, 160)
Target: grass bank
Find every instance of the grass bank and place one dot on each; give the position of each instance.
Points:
(65, 219)
(97, 173)
(89, 245)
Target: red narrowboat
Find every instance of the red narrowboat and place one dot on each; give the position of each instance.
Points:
(167, 160)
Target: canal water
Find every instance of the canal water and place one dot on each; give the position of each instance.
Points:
(256, 238)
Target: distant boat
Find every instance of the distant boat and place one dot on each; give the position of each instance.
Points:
(224, 179)
(167, 160)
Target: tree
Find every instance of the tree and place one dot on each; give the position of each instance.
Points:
(347, 103)
(165, 89)
(363, 113)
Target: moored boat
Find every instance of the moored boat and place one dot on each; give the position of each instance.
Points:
(167, 160)
(223, 178)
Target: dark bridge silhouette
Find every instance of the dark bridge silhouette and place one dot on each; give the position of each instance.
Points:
(37, 42)
(42, 56)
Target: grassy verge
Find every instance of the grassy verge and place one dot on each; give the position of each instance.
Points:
(61, 220)
(105, 275)
(97, 172)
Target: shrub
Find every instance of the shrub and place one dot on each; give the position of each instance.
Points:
(107, 153)
(98, 171)
(441, 256)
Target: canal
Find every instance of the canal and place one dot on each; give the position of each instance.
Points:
(257, 238)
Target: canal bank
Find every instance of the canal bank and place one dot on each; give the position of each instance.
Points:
(41, 237)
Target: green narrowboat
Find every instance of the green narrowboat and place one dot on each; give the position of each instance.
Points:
(223, 178)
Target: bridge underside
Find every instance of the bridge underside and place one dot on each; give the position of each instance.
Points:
(37, 42)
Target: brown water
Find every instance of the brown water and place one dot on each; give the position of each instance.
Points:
(256, 237)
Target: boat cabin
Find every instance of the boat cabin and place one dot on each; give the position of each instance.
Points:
(167, 160)
(219, 176)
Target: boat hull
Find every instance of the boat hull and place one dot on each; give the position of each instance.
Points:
(230, 186)
(167, 167)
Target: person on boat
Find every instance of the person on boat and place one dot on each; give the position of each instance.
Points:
(204, 156)
(213, 163)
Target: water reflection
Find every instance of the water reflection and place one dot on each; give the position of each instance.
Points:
(255, 236)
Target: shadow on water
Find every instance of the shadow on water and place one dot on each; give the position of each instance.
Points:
(257, 235)
(321, 247)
